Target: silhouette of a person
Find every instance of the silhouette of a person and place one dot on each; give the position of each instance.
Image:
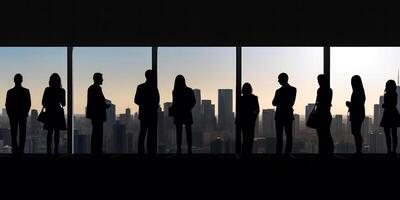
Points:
(284, 100)
(247, 116)
(96, 112)
(357, 111)
(147, 98)
(323, 114)
(183, 100)
(391, 118)
(53, 101)
(18, 104)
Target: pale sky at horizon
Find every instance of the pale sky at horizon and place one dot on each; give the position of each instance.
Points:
(124, 67)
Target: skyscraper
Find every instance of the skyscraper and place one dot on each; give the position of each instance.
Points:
(119, 139)
(268, 123)
(225, 110)
(309, 108)
(208, 115)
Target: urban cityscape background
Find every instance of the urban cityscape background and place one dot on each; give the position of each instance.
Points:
(210, 71)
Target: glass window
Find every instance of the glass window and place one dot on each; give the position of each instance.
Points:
(35, 64)
(123, 68)
(261, 67)
(375, 65)
(210, 71)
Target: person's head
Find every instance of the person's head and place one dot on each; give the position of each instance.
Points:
(283, 78)
(18, 79)
(323, 80)
(356, 83)
(150, 76)
(55, 80)
(390, 86)
(247, 89)
(179, 82)
(98, 78)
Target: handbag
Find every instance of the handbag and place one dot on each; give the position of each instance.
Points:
(42, 116)
(312, 120)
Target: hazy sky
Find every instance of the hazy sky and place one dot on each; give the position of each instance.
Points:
(206, 68)
(36, 64)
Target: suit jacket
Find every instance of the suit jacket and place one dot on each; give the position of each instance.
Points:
(284, 100)
(148, 100)
(96, 104)
(18, 102)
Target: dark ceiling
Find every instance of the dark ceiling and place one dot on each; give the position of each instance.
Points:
(198, 23)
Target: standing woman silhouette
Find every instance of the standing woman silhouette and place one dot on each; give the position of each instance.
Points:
(53, 101)
(247, 116)
(391, 118)
(323, 114)
(183, 100)
(357, 111)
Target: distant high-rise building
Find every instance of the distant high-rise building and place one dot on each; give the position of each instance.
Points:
(225, 110)
(81, 142)
(167, 105)
(120, 142)
(309, 108)
(196, 111)
(337, 128)
(268, 123)
(4, 112)
(208, 115)
(34, 123)
(108, 127)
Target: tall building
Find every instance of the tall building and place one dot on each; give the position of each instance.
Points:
(208, 115)
(268, 123)
(34, 123)
(119, 139)
(108, 127)
(4, 112)
(309, 108)
(196, 111)
(225, 110)
(337, 127)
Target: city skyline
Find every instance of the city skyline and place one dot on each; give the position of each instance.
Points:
(302, 64)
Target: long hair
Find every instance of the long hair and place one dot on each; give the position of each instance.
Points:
(55, 80)
(357, 85)
(180, 83)
(247, 89)
(390, 86)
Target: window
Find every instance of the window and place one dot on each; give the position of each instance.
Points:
(36, 64)
(375, 65)
(210, 71)
(123, 68)
(261, 67)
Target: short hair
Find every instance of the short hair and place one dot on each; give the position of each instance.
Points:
(18, 78)
(97, 75)
(283, 76)
(149, 74)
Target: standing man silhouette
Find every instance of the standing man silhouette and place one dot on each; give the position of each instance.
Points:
(96, 111)
(18, 104)
(284, 100)
(147, 98)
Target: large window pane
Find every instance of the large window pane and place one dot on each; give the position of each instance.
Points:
(375, 65)
(123, 69)
(261, 67)
(36, 64)
(211, 72)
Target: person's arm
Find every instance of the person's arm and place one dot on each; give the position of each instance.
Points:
(44, 98)
(257, 108)
(293, 98)
(276, 98)
(63, 97)
(192, 99)
(8, 100)
(28, 102)
(138, 96)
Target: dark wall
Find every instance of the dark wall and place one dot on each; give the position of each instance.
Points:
(202, 22)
